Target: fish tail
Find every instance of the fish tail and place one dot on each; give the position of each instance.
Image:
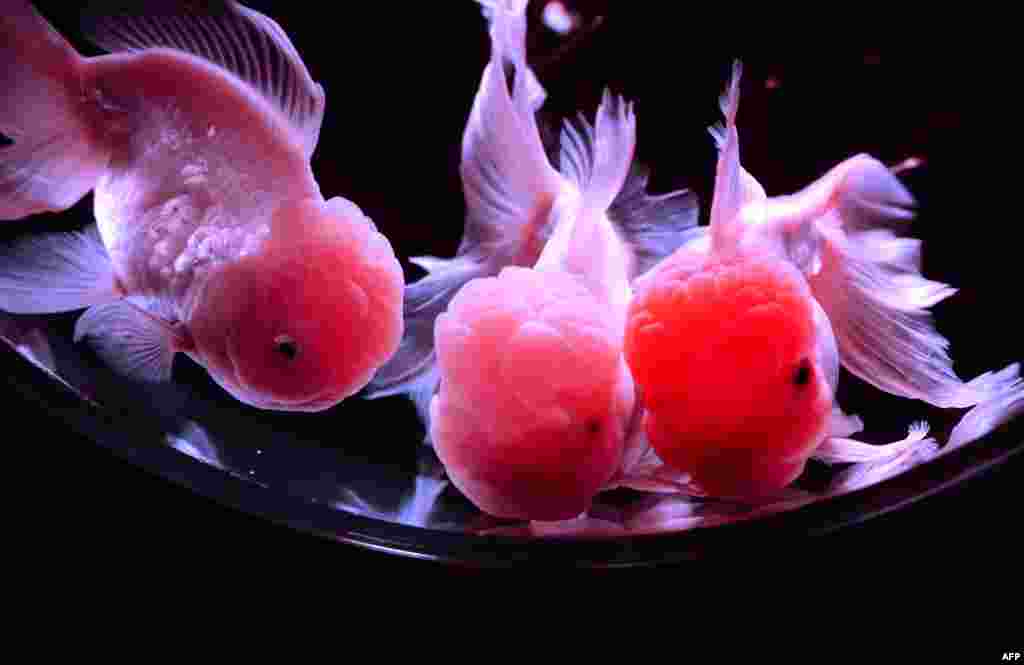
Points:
(994, 384)
(613, 147)
(413, 370)
(51, 156)
(507, 19)
(1000, 399)
(600, 160)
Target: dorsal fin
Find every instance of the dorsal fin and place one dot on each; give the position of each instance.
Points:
(244, 42)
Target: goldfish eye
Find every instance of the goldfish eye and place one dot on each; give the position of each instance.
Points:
(802, 376)
(286, 346)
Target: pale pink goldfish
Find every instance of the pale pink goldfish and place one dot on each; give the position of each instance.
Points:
(530, 401)
(195, 135)
(735, 340)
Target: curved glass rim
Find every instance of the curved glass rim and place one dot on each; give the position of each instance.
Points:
(589, 550)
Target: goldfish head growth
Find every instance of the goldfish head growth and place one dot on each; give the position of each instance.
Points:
(534, 396)
(728, 358)
(306, 319)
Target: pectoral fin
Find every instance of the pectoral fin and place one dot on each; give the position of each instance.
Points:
(133, 343)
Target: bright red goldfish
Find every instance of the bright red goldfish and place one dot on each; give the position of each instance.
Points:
(516, 343)
(195, 134)
(735, 340)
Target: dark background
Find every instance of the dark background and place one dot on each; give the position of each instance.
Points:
(400, 82)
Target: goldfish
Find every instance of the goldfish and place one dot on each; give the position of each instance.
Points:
(212, 239)
(736, 339)
(513, 348)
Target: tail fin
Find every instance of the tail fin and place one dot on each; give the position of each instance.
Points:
(868, 279)
(1004, 402)
(507, 20)
(599, 159)
(55, 158)
(602, 174)
(507, 179)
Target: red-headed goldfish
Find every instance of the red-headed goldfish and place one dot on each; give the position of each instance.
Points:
(735, 340)
(212, 237)
(516, 343)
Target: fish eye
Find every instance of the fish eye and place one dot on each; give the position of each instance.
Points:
(286, 346)
(802, 376)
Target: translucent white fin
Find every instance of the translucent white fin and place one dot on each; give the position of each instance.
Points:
(654, 226)
(844, 425)
(132, 343)
(837, 450)
(841, 231)
(869, 284)
(56, 156)
(507, 24)
(244, 42)
(56, 272)
(413, 368)
(508, 182)
(1005, 403)
(597, 159)
(908, 453)
(586, 243)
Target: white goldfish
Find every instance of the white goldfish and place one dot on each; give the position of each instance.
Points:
(736, 339)
(195, 134)
(530, 400)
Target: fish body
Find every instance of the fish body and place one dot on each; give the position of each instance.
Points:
(513, 348)
(735, 340)
(742, 315)
(212, 237)
(534, 399)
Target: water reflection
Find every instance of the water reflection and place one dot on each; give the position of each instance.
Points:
(193, 441)
(286, 459)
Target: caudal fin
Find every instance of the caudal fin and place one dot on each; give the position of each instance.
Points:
(1004, 402)
(55, 157)
(653, 226)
